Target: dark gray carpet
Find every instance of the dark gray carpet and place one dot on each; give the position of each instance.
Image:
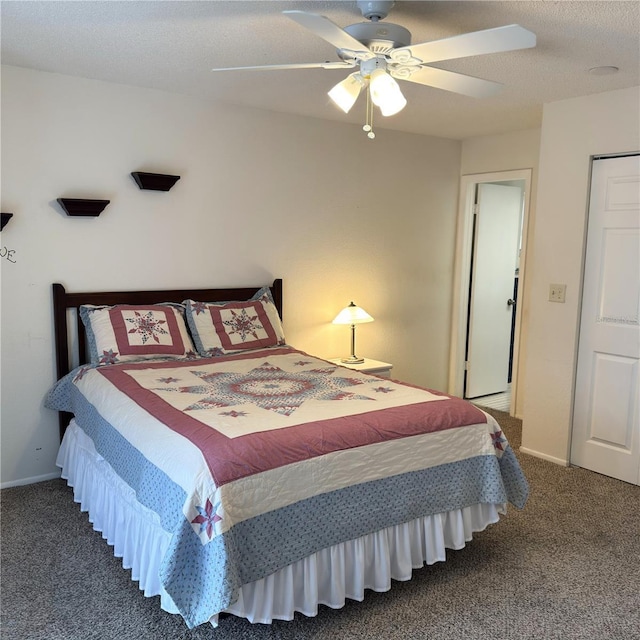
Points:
(566, 567)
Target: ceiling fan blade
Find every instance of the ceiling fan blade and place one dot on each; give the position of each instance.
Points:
(448, 80)
(331, 32)
(302, 65)
(477, 43)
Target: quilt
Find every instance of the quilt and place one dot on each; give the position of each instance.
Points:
(255, 460)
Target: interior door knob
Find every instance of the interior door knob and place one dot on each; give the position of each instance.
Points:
(511, 302)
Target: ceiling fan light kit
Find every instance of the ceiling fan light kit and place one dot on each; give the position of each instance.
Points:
(345, 93)
(385, 91)
(384, 53)
(386, 94)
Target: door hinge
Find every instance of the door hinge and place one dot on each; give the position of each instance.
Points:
(467, 365)
(475, 210)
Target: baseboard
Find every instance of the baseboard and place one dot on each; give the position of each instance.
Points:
(32, 480)
(544, 456)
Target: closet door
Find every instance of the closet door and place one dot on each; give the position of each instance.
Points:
(606, 428)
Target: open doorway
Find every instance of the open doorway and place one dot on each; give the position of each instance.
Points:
(489, 275)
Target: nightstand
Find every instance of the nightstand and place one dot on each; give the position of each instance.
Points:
(378, 368)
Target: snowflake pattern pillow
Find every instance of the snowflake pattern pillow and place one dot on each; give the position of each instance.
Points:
(134, 332)
(221, 328)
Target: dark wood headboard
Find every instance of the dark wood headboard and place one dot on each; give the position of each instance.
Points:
(63, 302)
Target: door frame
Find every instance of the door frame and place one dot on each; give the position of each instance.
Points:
(462, 275)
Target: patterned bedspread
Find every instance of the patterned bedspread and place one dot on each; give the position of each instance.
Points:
(257, 460)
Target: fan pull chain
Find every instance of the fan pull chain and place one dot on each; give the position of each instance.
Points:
(368, 126)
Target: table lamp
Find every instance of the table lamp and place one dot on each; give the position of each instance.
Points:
(352, 315)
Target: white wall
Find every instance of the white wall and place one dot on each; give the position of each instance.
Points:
(502, 152)
(507, 152)
(572, 132)
(261, 195)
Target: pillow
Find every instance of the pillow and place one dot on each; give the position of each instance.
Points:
(136, 332)
(219, 328)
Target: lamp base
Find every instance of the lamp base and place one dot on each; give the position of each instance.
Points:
(352, 360)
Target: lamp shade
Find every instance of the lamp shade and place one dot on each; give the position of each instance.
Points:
(352, 315)
(345, 93)
(385, 93)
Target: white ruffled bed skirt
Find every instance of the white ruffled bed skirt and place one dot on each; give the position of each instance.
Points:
(327, 577)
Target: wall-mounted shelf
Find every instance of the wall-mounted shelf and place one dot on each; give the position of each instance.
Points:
(5, 218)
(82, 207)
(154, 181)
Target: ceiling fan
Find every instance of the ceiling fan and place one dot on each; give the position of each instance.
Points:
(383, 53)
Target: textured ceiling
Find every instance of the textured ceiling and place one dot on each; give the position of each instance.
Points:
(173, 46)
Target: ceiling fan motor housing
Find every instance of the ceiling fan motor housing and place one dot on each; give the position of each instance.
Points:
(380, 37)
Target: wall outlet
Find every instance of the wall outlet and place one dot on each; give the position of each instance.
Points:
(557, 292)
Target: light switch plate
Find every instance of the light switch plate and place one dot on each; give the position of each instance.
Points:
(557, 292)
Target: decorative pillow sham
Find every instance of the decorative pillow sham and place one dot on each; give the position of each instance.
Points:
(219, 328)
(136, 332)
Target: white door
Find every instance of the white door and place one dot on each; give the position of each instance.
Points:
(495, 254)
(606, 431)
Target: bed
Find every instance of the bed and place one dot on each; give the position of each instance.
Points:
(233, 473)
